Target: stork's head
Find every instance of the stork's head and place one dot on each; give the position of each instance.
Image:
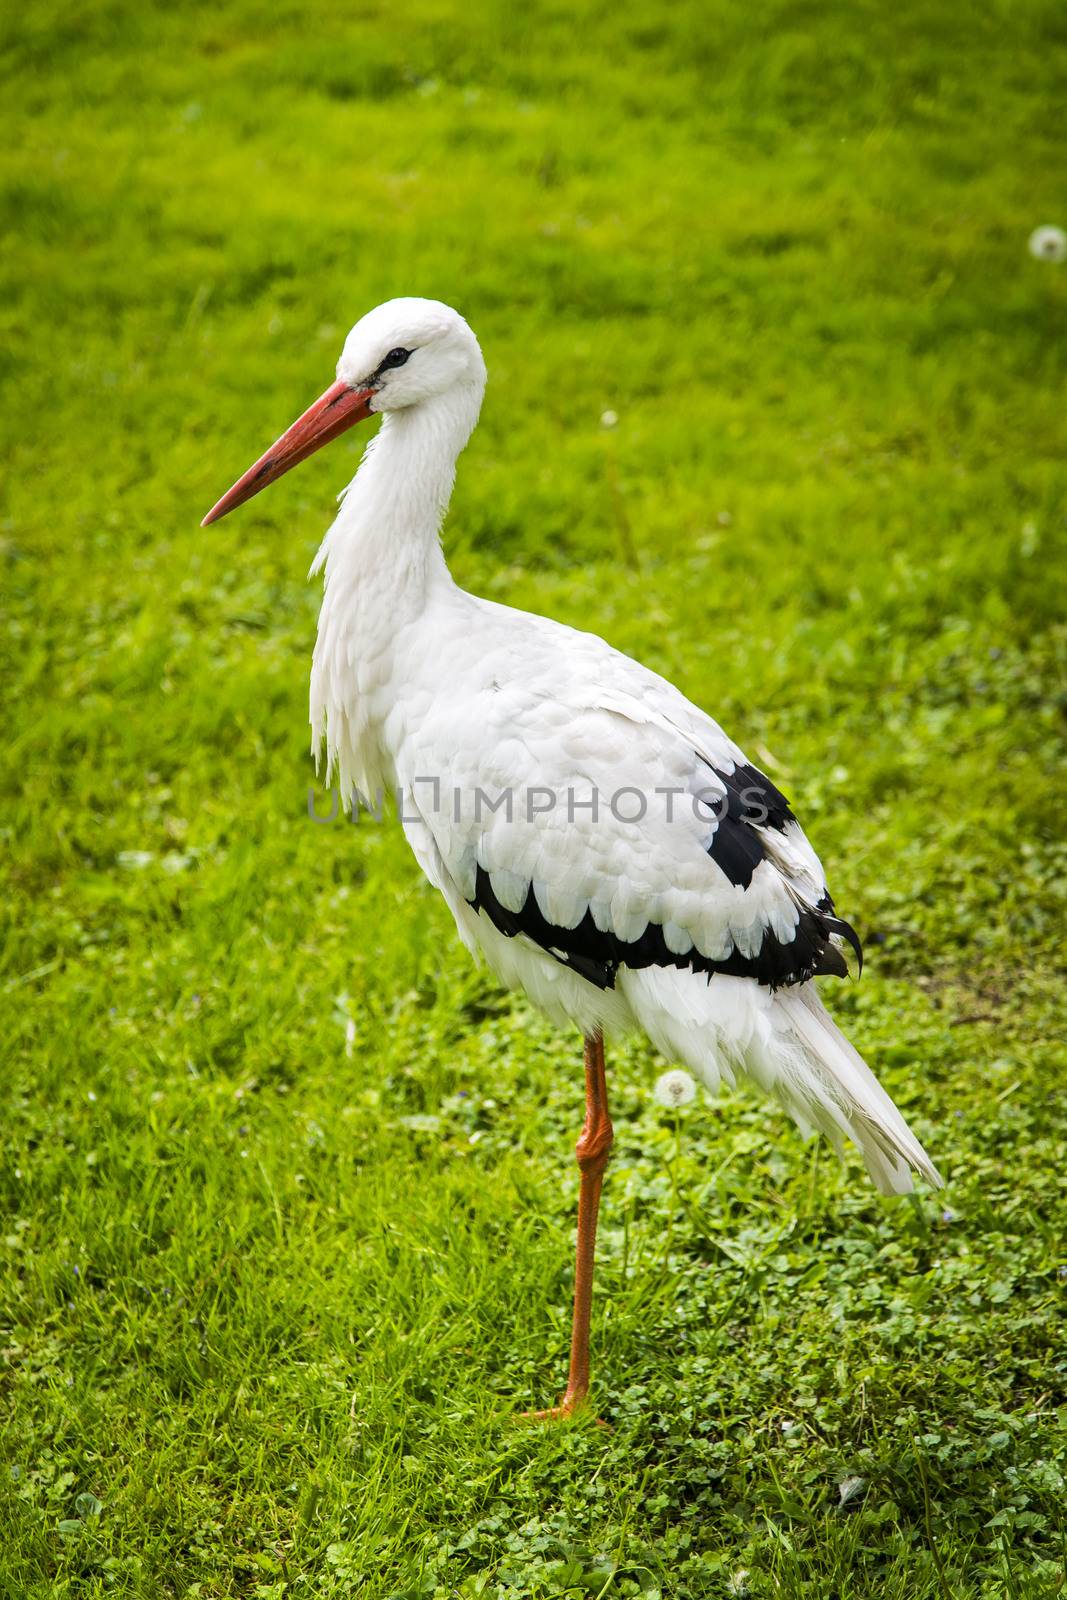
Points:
(400, 355)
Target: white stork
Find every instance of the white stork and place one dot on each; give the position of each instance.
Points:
(600, 841)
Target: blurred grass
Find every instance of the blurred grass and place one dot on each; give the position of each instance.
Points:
(788, 248)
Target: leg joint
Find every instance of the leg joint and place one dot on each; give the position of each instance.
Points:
(594, 1145)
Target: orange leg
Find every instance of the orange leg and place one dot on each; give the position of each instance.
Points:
(592, 1150)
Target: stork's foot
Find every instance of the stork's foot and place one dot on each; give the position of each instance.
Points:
(572, 1405)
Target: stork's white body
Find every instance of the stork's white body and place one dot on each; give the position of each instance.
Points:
(457, 704)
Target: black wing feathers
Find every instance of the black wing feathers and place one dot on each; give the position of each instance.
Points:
(597, 955)
(751, 802)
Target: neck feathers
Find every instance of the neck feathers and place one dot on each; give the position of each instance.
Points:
(394, 507)
(382, 559)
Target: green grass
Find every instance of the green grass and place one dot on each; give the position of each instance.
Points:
(287, 1184)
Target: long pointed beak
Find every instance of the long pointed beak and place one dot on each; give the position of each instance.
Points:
(339, 408)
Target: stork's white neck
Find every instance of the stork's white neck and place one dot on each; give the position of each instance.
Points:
(390, 518)
(384, 564)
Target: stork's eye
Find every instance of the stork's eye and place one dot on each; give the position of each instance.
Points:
(395, 358)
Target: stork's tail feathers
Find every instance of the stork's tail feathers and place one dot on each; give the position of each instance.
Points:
(826, 1084)
(787, 1042)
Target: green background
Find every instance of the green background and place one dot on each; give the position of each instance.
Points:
(287, 1184)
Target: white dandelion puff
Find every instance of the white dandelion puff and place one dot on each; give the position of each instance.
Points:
(850, 1489)
(608, 419)
(674, 1089)
(1048, 244)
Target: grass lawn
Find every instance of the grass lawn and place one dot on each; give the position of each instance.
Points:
(287, 1184)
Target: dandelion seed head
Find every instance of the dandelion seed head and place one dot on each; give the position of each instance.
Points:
(675, 1088)
(1048, 244)
(850, 1489)
(608, 419)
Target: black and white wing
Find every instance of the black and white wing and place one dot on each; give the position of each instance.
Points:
(587, 807)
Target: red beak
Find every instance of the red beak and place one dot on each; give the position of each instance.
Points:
(339, 408)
